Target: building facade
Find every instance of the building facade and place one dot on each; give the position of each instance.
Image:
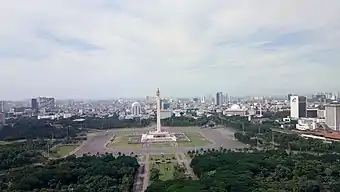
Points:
(34, 104)
(2, 119)
(46, 103)
(219, 99)
(332, 113)
(136, 109)
(298, 107)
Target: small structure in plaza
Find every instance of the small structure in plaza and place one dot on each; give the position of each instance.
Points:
(158, 135)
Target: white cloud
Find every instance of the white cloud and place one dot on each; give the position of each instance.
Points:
(185, 47)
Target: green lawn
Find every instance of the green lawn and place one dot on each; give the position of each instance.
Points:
(166, 170)
(63, 150)
(121, 141)
(172, 157)
(197, 140)
(162, 145)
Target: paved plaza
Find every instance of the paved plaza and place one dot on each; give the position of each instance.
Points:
(98, 143)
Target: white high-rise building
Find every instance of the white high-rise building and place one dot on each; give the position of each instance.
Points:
(298, 107)
(332, 112)
(202, 99)
(136, 109)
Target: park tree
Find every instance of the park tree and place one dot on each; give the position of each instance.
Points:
(154, 174)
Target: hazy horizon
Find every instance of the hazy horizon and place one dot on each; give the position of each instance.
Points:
(111, 49)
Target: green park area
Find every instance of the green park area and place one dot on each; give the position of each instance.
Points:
(62, 151)
(165, 164)
(121, 140)
(197, 140)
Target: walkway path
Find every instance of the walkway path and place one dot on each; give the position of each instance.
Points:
(146, 172)
(181, 158)
(139, 180)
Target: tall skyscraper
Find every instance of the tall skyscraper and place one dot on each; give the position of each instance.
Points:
(298, 107)
(289, 96)
(34, 104)
(226, 98)
(332, 113)
(2, 114)
(202, 99)
(46, 103)
(2, 106)
(219, 99)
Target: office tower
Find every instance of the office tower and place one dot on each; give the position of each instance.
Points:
(46, 103)
(34, 104)
(298, 107)
(219, 98)
(2, 106)
(202, 99)
(226, 99)
(136, 109)
(289, 96)
(332, 113)
(165, 105)
(2, 119)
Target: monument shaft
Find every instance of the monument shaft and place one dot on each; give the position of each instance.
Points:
(158, 112)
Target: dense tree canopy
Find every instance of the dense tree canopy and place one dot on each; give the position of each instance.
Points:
(89, 173)
(19, 154)
(31, 128)
(258, 172)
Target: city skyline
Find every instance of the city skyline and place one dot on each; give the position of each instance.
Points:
(111, 49)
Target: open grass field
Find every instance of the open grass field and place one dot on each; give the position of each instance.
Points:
(166, 170)
(121, 141)
(197, 140)
(165, 164)
(163, 145)
(62, 151)
(162, 157)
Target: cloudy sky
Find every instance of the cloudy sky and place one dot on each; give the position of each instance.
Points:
(128, 48)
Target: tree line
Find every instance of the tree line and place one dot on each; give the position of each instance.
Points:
(87, 173)
(32, 128)
(258, 171)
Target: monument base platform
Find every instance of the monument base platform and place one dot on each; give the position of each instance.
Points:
(156, 136)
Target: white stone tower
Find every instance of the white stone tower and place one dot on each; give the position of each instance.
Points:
(158, 111)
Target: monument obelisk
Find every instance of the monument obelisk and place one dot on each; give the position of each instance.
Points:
(158, 128)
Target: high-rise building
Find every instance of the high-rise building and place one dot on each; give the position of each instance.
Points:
(34, 104)
(2, 106)
(332, 114)
(226, 98)
(219, 99)
(298, 106)
(136, 109)
(165, 105)
(2, 119)
(289, 96)
(202, 99)
(46, 103)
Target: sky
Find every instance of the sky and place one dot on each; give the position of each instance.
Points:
(128, 48)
